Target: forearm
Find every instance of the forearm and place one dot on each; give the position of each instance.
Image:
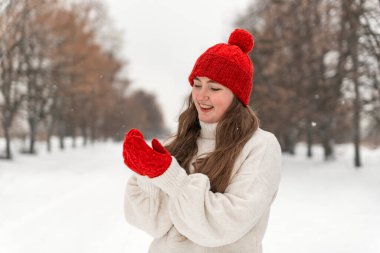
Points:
(145, 206)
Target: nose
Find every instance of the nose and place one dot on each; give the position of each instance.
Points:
(203, 93)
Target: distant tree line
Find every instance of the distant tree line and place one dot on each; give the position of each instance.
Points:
(317, 71)
(60, 74)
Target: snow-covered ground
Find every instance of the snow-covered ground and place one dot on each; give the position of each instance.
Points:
(72, 202)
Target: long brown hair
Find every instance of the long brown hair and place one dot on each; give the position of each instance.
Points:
(232, 133)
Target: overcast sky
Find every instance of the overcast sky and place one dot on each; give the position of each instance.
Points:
(163, 38)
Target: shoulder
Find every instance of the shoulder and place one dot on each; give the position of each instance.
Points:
(261, 153)
(262, 139)
(261, 144)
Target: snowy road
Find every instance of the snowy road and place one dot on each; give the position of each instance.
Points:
(72, 202)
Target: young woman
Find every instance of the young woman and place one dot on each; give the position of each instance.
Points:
(211, 187)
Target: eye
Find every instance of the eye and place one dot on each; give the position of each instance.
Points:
(197, 85)
(215, 89)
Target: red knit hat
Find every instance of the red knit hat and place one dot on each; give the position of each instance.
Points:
(229, 64)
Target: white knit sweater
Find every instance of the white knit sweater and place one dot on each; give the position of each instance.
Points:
(183, 215)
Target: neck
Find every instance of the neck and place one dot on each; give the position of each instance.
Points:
(208, 130)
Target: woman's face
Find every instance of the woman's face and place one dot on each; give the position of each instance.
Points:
(211, 99)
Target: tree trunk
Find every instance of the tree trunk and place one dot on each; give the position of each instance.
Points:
(290, 142)
(48, 143)
(61, 130)
(50, 127)
(74, 140)
(92, 133)
(327, 138)
(32, 127)
(8, 153)
(356, 130)
(84, 134)
(309, 139)
(354, 40)
(328, 147)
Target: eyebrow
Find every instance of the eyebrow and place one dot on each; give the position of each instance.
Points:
(208, 81)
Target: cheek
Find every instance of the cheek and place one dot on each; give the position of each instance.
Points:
(194, 94)
(223, 102)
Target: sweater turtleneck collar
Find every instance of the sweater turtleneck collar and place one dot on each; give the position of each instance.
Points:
(208, 130)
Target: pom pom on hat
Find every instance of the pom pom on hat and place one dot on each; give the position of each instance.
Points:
(242, 39)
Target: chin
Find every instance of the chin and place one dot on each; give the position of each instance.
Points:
(207, 120)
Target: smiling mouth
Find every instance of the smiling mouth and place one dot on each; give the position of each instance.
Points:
(206, 108)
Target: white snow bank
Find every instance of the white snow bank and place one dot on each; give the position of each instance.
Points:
(72, 201)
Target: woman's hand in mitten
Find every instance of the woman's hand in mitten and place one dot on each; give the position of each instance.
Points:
(127, 160)
(141, 158)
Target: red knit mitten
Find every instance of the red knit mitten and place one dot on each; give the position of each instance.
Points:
(127, 160)
(141, 158)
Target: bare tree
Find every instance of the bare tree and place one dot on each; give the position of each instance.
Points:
(12, 85)
(59, 66)
(316, 62)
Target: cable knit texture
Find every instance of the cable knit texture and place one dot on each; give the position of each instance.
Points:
(229, 64)
(183, 215)
(141, 158)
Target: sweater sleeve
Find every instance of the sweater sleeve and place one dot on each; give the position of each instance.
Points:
(145, 206)
(216, 219)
